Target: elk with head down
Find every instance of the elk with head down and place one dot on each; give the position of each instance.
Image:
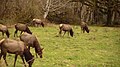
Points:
(32, 41)
(84, 27)
(17, 48)
(38, 22)
(4, 29)
(66, 28)
(22, 28)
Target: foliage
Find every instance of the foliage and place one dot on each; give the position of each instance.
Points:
(62, 11)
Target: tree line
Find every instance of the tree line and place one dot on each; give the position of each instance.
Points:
(100, 12)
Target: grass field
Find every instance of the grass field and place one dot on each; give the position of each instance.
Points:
(99, 48)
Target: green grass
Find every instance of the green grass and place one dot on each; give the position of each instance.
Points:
(99, 48)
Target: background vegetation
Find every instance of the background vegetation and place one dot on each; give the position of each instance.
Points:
(99, 48)
(100, 12)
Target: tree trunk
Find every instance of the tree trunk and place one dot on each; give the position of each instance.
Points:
(47, 8)
(109, 14)
(95, 14)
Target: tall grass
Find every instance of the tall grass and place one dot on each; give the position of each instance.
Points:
(99, 48)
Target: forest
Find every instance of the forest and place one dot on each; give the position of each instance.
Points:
(98, 12)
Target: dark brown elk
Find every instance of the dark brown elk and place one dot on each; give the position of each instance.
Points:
(84, 27)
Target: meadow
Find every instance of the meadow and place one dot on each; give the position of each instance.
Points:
(99, 48)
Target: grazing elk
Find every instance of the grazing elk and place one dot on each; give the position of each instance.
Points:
(4, 29)
(38, 22)
(17, 48)
(66, 28)
(32, 41)
(22, 28)
(84, 27)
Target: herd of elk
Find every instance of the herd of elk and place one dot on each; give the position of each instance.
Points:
(27, 39)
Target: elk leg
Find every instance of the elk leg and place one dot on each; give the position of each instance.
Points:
(2, 33)
(15, 59)
(36, 53)
(64, 33)
(83, 30)
(15, 32)
(35, 25)
(29, 48)
(60, 32)
(0, 56)
(23, 60)
(68, 33)
(4, 57)
(21, 32)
